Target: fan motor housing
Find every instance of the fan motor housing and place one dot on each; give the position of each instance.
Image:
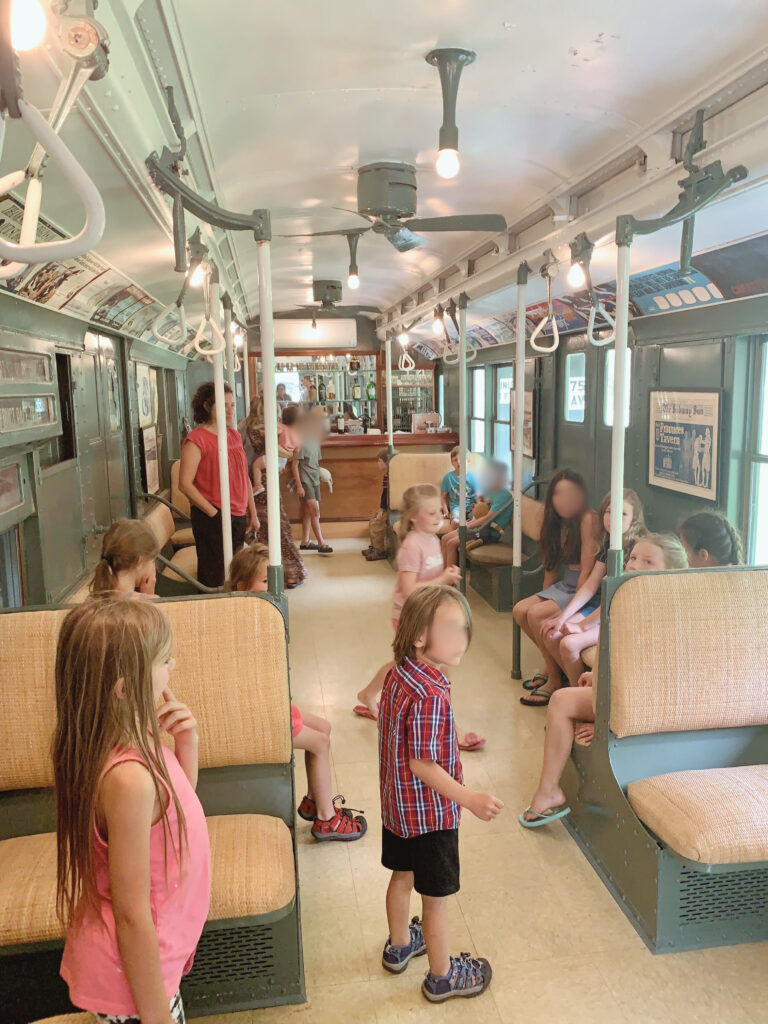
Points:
(326, 291)
(386, 190)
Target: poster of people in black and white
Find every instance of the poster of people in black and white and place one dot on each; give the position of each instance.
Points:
(683, 441)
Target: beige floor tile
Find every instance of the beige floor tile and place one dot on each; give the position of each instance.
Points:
(519, 923)
(333, 944)
(399, 998)
(341, 1004)
(246, 1017)
(570, 991)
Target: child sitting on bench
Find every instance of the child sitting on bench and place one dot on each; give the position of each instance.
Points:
(489, 527)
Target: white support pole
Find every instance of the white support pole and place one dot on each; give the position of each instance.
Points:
(270, 401)
(230, 350)
(388, 388)
(517, 458)
(463, 441)
(221, 439)
(246, 373)
(619, 408)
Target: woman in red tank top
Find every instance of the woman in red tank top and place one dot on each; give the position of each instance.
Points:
(199, 480)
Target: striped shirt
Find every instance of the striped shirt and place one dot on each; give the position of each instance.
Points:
(416, 720)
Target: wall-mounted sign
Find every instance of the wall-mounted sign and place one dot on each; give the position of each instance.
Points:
(144, 395)
(150, 459)
(683, 441)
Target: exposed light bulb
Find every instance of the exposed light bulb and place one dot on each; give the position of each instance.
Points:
(353, 281)
(28, 24)
(448, 163)
(576, 276)
(403, 338)
(437, 325)
(237, 338)
(198, 275)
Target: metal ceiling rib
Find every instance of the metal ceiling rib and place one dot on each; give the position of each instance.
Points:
(158, 28)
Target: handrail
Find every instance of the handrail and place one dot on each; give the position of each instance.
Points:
(95, 215)
(164, 501)
(187, 578)
(548, 272)
(180, 318)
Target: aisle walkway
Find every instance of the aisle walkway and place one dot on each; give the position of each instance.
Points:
(561, 950)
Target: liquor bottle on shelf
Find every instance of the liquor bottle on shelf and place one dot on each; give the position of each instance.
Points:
(370, 390)
(331, 390)
(312, 393)
(366, 422)
(340, 423)
(357, 391)
(321, 391)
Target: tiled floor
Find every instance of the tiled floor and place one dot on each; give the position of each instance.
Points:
(561, 949)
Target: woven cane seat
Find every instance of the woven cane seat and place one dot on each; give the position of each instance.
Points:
(252, 867)
(28, 890)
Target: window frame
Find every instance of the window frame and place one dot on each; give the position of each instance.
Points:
(474, 373)
(755, 458)
(504, 455)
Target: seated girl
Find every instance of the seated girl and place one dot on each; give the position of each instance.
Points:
(710, 540)
(577, 626)
(488, 528)
(127, 563)
(311, 733)
(571, 711)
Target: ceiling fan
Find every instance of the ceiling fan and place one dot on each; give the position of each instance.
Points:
(326, 295)
(386, 198)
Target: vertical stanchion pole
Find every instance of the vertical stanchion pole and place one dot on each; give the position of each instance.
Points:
(275, 569)
(616, 554)
(388, 388)
(246, 373)
(463, 441)
(517, 464)
(229, 348)
(222, 445)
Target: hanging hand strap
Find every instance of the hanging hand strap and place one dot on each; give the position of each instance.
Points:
(95, 216)
(550, 315)
(596, 308)
(217, 340)
(181, 320)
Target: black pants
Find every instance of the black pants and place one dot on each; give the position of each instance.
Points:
(210, 549)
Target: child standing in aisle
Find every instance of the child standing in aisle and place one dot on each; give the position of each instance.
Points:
(422, 792)
(306, 473)
(133, 877)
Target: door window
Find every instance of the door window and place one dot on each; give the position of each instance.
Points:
(477, 406)
(758, 518)
(575, 386)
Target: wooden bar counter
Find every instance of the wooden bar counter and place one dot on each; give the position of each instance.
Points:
(353, 461)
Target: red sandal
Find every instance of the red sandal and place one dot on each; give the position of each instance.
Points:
(345, 826)
(307, 809)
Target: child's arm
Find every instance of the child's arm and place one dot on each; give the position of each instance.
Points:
(177, 720)
(444, 504)
(407, 582)
(577, 602)
(482, 805)
(296, 477)
(588, 553)
(128, 800)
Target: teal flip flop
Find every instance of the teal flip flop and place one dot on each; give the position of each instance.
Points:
(531, 684)
(542, 819)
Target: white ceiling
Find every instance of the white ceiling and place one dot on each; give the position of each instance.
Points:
(294, 96)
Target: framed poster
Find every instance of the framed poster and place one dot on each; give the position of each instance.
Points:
(150, 459)
(527, 423)
(144, 395)
(684, 435)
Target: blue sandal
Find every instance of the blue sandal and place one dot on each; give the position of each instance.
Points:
(538, 692)
(531, 684)
(542, 819)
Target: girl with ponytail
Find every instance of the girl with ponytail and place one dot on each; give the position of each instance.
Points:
(127, 563)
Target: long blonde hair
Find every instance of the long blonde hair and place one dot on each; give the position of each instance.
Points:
(412, 499)
(248, 561)
(107, 639)
(127, 543)
(670, 546)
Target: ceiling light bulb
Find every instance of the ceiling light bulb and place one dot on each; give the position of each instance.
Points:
(28, 24)
(437, 325)
(448, 163)
(403, 338)
(237, 338)
(198, 274)
(353, 281)
(576, 276)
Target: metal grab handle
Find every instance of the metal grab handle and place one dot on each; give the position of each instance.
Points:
(452, 358)
(95, 216)
(405, 363)
(600, 342)
(539, 328)
(182, 321)
(29, 220)
(218, 341)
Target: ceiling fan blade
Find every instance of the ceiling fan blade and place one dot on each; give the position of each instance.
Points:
(401, 237)
(343, 209)
(319, 234)
(353, 310)
(464, 222)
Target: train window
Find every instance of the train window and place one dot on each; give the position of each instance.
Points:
(610, 357)
(763, 449)
(10, 570)
(477, 419)
(504, 382)
(758, 535)
(441, 397)
(575, 386)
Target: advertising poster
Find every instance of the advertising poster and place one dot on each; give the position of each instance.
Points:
(151, 461)
(527, 423)
(144, 395)
(683, 442)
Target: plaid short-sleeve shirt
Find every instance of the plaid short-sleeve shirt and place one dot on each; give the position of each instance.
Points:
(416, 720)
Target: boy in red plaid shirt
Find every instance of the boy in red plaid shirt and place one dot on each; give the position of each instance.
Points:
(422, 791)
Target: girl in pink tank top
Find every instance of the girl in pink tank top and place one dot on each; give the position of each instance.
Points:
(133, 881)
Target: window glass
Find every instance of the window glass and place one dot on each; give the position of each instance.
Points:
(504, 384)
(477, 438)
(501, 447)
(10, 570)
(10, 488)
(441, 397)
(575, 386)
(759, 537)
(610, 360)
(764, 405)
(478, 392)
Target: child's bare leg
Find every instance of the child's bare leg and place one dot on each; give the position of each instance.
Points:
(552, 669)
(452, 548)
(565, 707)
(399, 907)
(434, 921)
(571, 647)
(367, 696)
(306, 522)
(316, 745)
(258, 466)
(314, 515)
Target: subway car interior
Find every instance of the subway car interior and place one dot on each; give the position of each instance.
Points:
(383, 413)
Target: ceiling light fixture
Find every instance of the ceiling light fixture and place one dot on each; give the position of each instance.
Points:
(576, 276)
(403, 338)
(450, 62)
(353, 281)
(28, 24)
(437, 323)
(198, 276)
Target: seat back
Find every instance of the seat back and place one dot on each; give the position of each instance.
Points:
(178, 498)
(532, 514)
(160, 521)
(409, 468)
(231, 669)
(688, 651)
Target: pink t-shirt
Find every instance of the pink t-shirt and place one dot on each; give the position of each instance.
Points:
(92, 966)
(419, 553)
